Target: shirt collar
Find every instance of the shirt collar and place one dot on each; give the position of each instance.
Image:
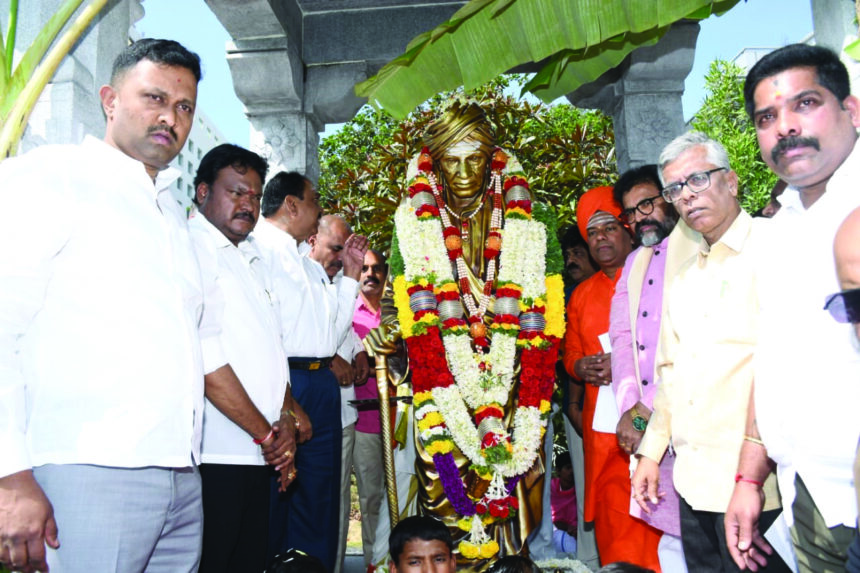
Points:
(361, 305)
(119, 160)
(790, 198)
(734, 237)
(220, 240)
(264, 227)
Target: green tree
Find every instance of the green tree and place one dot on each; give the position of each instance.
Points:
(564, 152)
(723, 118)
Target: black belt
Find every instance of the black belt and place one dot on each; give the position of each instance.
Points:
(306, 364)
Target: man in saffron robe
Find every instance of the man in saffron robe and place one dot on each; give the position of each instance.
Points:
(620, 537)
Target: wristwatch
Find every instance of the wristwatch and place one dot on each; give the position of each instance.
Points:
(639, 421)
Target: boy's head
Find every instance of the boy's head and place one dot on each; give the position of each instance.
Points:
(419, 544)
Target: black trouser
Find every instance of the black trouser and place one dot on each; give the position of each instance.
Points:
(703, 536)
(235, 517)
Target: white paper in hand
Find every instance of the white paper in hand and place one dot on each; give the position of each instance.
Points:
(606, 410)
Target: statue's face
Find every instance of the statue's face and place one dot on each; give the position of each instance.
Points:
(463, 167)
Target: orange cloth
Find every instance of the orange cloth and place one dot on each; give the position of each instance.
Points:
(597, 199)
(619, 536)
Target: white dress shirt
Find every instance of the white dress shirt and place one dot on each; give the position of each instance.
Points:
(250, 338)
(101, 314)
(807, 372)
(315, 314)
(348, 350)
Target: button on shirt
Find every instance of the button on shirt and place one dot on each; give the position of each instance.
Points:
(315, 314)
(807, 368)
(705, 366)
(101, 314)
(250, 338)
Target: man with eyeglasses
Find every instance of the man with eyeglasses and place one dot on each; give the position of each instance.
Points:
(705, 357)
(619, 536)
(803, 415)
(634, 329)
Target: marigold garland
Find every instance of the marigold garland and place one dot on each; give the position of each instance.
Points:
(463, 371)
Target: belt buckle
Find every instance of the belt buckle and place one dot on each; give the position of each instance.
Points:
(314, 366)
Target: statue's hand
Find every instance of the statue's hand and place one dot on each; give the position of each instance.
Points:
(382, 340)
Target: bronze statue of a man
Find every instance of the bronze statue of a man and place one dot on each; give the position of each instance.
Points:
(477, 293)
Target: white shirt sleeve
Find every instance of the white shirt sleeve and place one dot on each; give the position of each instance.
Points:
(347, 290)
(41, 212)
(209, 326)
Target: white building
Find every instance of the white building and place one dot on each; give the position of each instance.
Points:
(203, 137)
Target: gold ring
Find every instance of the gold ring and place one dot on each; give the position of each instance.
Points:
(291, 475)
(288, 455)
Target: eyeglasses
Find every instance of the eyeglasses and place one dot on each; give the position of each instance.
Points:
(697, 182)
(645, 206)
(844, 306)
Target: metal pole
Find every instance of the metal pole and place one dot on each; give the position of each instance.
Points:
(387, 453)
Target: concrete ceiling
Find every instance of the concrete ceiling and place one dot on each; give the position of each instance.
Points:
(306, 55)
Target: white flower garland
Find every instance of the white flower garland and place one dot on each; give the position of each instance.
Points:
(421, 246)
(523, 258)
(522, 261)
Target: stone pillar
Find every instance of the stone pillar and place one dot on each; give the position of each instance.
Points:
(69, 107)
(289, 140)
(643, 96)
(833, 20)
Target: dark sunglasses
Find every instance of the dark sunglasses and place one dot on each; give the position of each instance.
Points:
(844, 306)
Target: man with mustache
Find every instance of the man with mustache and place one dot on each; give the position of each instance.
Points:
(579, 266)
(315, 320)
(634, 329)
(235, 478)
(619, 536)
(577, 260)
(704, 360)
(362, 439)
(806, 120)
(349, 365)
(104, 341)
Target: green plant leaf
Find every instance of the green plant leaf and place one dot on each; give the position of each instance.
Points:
(35, 54)
(581, 39)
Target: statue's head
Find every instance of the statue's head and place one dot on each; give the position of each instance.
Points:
(461, 143)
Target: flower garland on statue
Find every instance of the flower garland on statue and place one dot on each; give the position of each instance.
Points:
(529, 311)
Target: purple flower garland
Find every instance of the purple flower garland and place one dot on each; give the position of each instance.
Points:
(454, 487)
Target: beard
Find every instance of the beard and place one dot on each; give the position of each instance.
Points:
(651, 237)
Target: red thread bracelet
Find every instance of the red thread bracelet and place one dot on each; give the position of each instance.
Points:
(739, 478)
(269, 435)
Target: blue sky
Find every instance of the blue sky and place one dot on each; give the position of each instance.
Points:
(750, 24)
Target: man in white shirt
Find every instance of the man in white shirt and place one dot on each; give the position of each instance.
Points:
(228, 185)
(315, 317)
(803, 413)
(350, 365)
(103, 338)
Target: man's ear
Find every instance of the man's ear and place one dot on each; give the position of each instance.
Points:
(290, 205)
(108, 96)
(201, 193)
(852, 104)
(733, 183)
(392, 567)
(312, 240)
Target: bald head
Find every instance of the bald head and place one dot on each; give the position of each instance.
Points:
(846, 251)
(327, 245)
